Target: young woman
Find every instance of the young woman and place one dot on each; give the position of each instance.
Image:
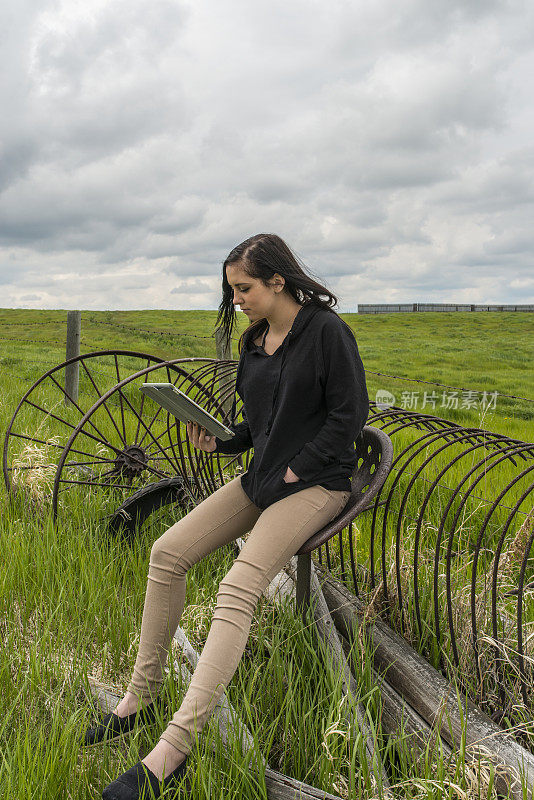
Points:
(302, 384)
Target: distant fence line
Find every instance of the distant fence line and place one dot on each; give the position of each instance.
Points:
(224, 348)
(387, 308)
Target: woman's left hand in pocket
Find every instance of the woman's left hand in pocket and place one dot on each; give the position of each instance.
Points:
(290, 476)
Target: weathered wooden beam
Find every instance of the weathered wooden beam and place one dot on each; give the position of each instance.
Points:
(397, 716)
(328, 634)
(432, 696)
(303, 582)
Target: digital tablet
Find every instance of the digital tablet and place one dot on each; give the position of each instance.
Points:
(185, 409)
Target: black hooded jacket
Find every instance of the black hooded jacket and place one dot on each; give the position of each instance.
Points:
(303, 407)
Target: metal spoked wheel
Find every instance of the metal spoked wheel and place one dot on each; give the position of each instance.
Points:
(129, 446)
(46, 416)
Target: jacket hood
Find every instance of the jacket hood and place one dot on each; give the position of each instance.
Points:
(301, 321)
(304, 316)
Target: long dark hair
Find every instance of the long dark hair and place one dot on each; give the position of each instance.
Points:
(261, 256)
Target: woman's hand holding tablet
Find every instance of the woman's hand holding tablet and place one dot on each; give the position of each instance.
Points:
(199, 437)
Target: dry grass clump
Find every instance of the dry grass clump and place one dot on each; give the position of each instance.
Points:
(495, 662)
(34, 469)
(514, 554)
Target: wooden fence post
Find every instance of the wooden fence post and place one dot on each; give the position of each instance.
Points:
(72, 371)
(223, 344)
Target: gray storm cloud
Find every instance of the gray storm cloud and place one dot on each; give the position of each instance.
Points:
(389, 144)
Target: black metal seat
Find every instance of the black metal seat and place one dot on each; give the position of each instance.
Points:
(375, 456)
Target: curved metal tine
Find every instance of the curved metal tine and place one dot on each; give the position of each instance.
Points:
(159, 411)
(500, 457)
(167, 429)
(474, 496)
(160, 408)
(372, 540)
(499, 661)
(342, 557)
(69, 424)
(440, 530)
(408, 422)
(49, 444)
(196, 377)
(99, 395)
(412, 418)
(465, 434)
(74, 403)
(202, 395)
(521, 586)
(120, 397)
(212, 403)
(498, 441)
(193, 462)
(210, 470)
(435, 436)
(87, 463)
(464, 497)
(328, 558)
(206, 464)
(25, 399)
(353, 560)
(164, 432)
(485, 463)
(422, 510)
(142, 405)
(147, 431)
(173, 427)
(377, 502)
(147, 466)
(152, 458)
(181, 459)
(200, 465)
(204, 474)
(458, 436)
(392, 488)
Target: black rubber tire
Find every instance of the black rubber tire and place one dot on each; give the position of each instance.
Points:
(136, 509)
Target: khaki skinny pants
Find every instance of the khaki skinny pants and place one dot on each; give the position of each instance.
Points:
(275, 535)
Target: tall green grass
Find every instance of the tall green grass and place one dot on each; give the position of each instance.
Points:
(71, 598)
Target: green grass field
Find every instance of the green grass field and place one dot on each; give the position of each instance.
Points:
(72, 594)
(482, 352)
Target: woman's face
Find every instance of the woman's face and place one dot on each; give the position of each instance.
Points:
(256, 299)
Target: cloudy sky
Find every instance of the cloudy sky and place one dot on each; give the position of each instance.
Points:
(389, 143)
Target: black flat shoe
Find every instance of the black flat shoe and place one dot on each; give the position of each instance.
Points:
(137, 782)
(113, 726)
